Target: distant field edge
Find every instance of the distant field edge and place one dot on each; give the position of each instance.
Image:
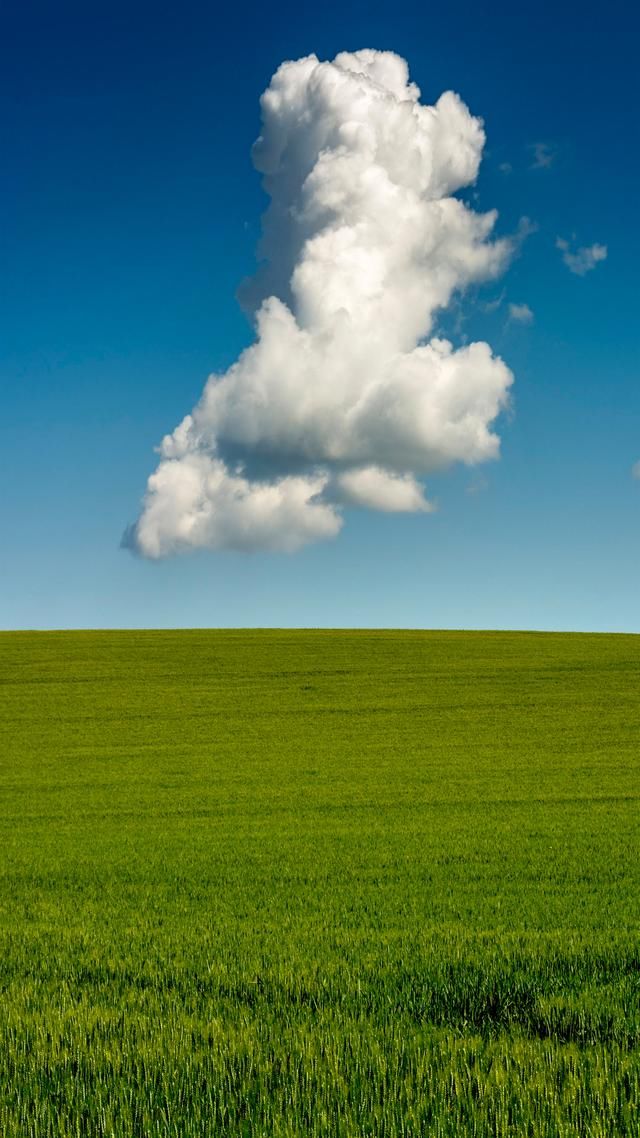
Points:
(322, 630)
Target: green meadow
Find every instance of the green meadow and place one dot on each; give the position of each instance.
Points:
(329, 884)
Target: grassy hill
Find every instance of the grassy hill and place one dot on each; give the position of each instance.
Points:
(319, 884)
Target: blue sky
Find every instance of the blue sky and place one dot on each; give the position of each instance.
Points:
(131, 213)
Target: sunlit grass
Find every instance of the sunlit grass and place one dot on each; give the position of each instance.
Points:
(319, 884)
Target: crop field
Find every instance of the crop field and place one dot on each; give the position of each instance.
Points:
(327, 884)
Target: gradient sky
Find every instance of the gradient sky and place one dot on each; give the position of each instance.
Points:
(130, 214)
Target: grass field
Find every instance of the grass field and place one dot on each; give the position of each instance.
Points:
(319, 883)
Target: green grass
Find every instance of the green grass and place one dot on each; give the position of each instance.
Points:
(319, 884)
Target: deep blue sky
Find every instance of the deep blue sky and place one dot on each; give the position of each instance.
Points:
(130, 214)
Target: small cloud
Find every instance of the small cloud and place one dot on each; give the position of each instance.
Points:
(378, 489)
(544, 155)
(582, 260)
(526, 228)
(635, 470)
(479, 485)
(520, 313)
(505, 168)
(492, 305)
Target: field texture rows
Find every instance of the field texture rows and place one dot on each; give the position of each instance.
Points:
(327, 884)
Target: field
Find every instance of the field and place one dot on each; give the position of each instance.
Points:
(278, 884)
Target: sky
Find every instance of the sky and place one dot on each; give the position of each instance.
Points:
(131, 215)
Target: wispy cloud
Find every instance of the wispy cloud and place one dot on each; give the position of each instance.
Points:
(543, 155)
(492, 305)
(346, 397)
(520, 313)
(478, 485)
(635, 470)
(526, 228)
(583, 259)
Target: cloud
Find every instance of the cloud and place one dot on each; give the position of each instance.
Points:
(197, 502)
(505, 168)
(347, 396)
(544, 155)
(492, 305)
(520, 313)
(526, 227)
(582, 260)
(478, 485)
(635, 470)
(379, 490)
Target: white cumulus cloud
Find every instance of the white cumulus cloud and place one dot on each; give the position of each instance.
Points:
(583, 260)
(380, 490)
(347, 396)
